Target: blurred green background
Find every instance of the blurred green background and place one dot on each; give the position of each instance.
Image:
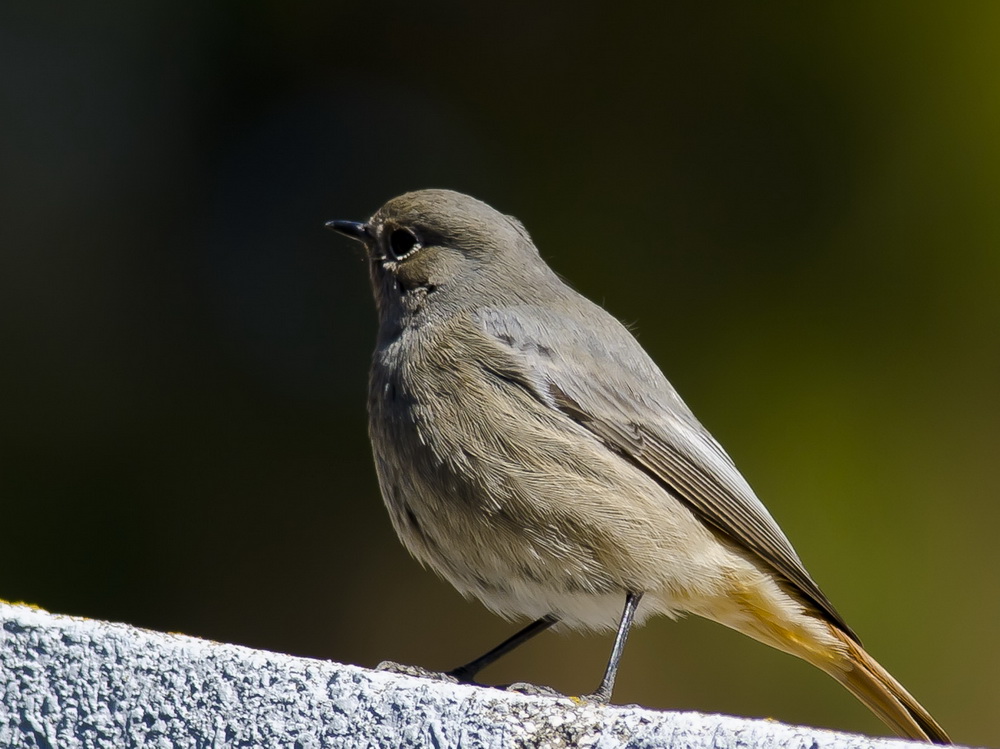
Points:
(796, 205)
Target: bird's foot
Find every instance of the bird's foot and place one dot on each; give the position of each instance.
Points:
(594, 698)
(423, 673)
(532, 690)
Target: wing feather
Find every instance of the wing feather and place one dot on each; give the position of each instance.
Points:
(633, 410)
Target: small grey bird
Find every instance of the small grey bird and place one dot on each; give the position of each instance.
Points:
(532, 454)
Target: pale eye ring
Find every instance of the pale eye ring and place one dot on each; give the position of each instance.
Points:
(403, 243)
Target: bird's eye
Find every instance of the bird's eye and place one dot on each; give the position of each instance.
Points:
(402, 243)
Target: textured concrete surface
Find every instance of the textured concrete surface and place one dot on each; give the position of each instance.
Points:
(71, 682)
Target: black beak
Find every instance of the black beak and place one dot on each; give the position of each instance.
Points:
(353, 229)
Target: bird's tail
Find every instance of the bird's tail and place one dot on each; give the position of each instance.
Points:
(829, 648)
(879, 691)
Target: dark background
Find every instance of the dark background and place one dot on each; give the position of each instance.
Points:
(796, 206)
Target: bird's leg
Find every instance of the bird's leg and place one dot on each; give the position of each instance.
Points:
(603, 692)
(467, 673)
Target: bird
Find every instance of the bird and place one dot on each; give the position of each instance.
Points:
(531, 453)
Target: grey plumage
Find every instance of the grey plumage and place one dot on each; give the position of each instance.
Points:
(531, 453)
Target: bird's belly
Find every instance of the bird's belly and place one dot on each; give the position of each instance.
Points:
(546, 562)
(527, 511)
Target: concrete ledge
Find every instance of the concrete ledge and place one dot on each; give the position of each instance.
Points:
(70, 682)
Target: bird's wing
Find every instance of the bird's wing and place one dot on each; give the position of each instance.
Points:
(601, 378)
